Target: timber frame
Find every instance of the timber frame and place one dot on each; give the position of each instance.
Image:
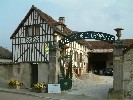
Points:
(31, 48)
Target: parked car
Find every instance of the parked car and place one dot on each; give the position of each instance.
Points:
(108, 71)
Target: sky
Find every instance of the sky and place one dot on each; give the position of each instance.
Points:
(80, 15)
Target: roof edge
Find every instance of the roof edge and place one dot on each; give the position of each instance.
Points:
(27, 15)
(22, 22)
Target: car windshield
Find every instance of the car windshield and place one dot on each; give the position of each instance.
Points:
(109, 69)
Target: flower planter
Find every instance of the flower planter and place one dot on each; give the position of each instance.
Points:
(14, 86)
(11, 86)
(17, 87)
(39, 90)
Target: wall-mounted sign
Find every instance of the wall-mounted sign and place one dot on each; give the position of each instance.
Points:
(117, 58)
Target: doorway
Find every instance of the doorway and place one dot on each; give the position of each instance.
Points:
(34, 74)
(97, 62)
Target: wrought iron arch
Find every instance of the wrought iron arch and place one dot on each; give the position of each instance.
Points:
(87, 35)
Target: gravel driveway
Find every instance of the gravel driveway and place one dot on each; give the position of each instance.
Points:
(92, 85)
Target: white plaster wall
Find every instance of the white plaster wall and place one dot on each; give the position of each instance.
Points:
(75, 46)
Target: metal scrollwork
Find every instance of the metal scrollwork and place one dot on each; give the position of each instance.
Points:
(87, 35)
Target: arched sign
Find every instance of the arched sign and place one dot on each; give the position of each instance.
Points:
(87, 35)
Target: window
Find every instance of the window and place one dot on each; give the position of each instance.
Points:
(36, 30)
(71, 52)
(80, 57)
(28, 31)
(76, 56)
(32, 30)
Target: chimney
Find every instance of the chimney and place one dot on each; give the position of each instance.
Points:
(62, 20)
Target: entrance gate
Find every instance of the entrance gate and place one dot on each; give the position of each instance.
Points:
(87, 35)
(65, 79)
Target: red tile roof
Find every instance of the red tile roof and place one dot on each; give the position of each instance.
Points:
(105, 45)
(128, 42)
(128, 48)
(99, 45)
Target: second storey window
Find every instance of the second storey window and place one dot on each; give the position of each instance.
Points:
(28, 31)
(32, 30)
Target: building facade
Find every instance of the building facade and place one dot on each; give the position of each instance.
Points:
(33, 44)
(36, 52)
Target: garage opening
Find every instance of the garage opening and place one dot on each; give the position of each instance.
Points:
(99, 61)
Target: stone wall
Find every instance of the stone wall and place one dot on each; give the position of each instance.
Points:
(54, 66)
(123, 74)
(118, 67)
(24, 73)
(6, 72)
(19, 71)
(43, 72)
(117, 92)
(128, 74)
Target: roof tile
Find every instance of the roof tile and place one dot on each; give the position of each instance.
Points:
(105, 45)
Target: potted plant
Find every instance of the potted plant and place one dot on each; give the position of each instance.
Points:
(39, 87)
(14, 84)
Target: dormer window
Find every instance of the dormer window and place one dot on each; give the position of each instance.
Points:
(32, 30)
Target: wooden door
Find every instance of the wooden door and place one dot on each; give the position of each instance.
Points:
(34, 74)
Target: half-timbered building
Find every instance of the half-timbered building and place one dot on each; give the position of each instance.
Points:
(33, 43)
